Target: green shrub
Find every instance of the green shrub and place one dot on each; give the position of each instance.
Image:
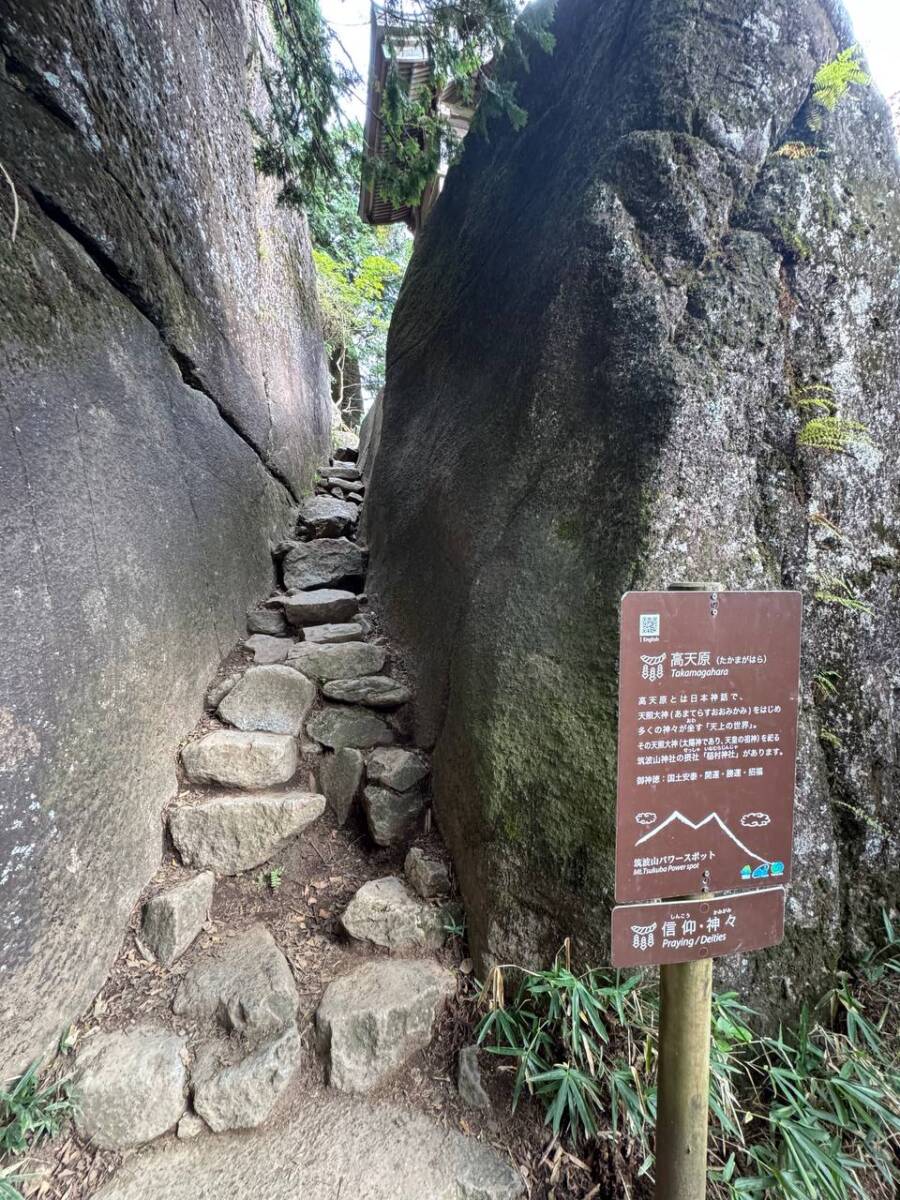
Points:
(812, 1113)
(29, 1112)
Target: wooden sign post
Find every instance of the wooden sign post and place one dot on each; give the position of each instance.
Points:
(708, 701)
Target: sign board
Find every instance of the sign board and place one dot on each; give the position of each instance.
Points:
(708, 697)
(674, 931)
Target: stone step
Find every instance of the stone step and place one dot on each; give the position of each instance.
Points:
(326, 516)
(243, 760)
(268, 650)
(374, 691)
(345, 631)
(230, 834)
(173, 918)
(345, 660)
(324, 605)
(341, 471)
(375, 1018)
(245, 987)
(392, 816)
(386, 913)
(351, 726)
(275, 699)
(325, 562)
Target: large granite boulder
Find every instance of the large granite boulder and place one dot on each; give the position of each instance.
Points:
(617, 402)
(166, 399)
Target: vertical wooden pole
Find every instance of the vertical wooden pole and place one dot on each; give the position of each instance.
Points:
(682, 1105)
(682, 1109)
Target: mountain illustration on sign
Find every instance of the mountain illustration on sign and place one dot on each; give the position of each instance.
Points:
(713, 818)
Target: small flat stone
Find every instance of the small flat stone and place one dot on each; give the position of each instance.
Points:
(428, 876)
(347, 452)
(220, 690)
(246, 986)
(386, 913)
(340, 727)
(342, 471)
(356, 497)
(392, 816)
(189, 1127)
(274, 699)
(468, 1080)
(397, 769)
(268, 650)
(375, 691)
(172, 919)
(326, 516)
(373, 1019)
(263, 619)
(340, 778)
(325, 562)
(242, 1095)
(244, 760)
(130, 1087)
(344, 485)
(230, 834)
(344, 660)
(347, 631)
(320, 606)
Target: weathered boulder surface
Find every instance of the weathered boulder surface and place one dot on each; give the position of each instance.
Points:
(614, 407)
(229, 834)
(165, 386)
(376, 1017)
(130, 1087)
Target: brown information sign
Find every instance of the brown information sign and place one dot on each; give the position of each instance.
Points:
(674, 931)
(708, 691)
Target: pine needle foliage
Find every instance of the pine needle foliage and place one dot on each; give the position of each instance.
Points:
(303, 139)
(299, 141)
(464, 40)
(809, 1113)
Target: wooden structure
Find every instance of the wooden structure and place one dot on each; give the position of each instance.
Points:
(403, 49)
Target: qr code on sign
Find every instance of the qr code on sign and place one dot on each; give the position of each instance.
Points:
(649, 625)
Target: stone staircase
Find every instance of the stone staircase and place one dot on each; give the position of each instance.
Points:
(292, 958)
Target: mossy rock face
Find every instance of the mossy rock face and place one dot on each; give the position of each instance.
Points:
(154, 429)
(591, 387)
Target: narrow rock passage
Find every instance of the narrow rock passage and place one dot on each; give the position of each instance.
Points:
(296, 944)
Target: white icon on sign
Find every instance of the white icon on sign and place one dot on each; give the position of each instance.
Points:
(755, 820)
(648, 625)
(645, 818)
(652, 669)
(642, 936)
